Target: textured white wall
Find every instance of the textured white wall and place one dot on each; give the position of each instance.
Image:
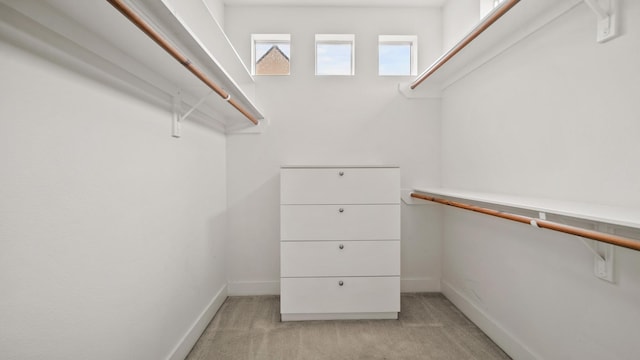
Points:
(556, 116)
(111, 231)
(331, 120)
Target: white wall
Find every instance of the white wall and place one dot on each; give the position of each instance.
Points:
(556, 116)
(216, 8)
(331, 120)
(458, 18)
(111, 231)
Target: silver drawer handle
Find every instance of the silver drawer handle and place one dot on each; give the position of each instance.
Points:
(340, 282)
(341, 246)
(341, 210)
(341, 173)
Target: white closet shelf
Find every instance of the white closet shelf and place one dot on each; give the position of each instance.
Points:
(105, 39)
(523, 19)
(612, 215)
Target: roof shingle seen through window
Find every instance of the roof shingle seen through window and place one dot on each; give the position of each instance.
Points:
(273, 62)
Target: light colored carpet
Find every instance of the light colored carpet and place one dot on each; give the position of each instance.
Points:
(429, 327)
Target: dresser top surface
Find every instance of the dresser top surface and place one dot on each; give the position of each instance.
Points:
(387, 166)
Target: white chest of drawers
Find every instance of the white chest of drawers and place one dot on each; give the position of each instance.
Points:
(340, 243)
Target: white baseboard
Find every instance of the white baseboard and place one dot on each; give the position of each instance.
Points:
(507, 341)
(412, 285)
(248, 288)
(189, 339)
(501, 336)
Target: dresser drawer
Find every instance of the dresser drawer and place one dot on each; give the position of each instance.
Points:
(328, 186)
(326, 295)
(339, 222)
(340, 258)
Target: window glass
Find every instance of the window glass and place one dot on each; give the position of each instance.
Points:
(271, 54)
(334, 55)
(397, 55)
(394, 59)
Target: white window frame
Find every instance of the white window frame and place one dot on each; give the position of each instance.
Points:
(337, 39)
(276, 38)
(401, 39)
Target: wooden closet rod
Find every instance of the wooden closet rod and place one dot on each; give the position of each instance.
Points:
(590, 234)
(147, 29)
(488, 21)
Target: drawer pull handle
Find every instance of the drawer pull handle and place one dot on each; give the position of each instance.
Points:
(341, 173)
(341, 246)
(341, 210)
(340, 282)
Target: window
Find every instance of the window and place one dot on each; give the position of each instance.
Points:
(270, 54)
(397, 55)
(335, 54)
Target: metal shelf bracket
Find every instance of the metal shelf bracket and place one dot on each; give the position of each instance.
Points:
(603, 255)
(178, 116)
(607, 19)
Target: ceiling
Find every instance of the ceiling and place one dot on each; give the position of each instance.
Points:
(342, 3)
